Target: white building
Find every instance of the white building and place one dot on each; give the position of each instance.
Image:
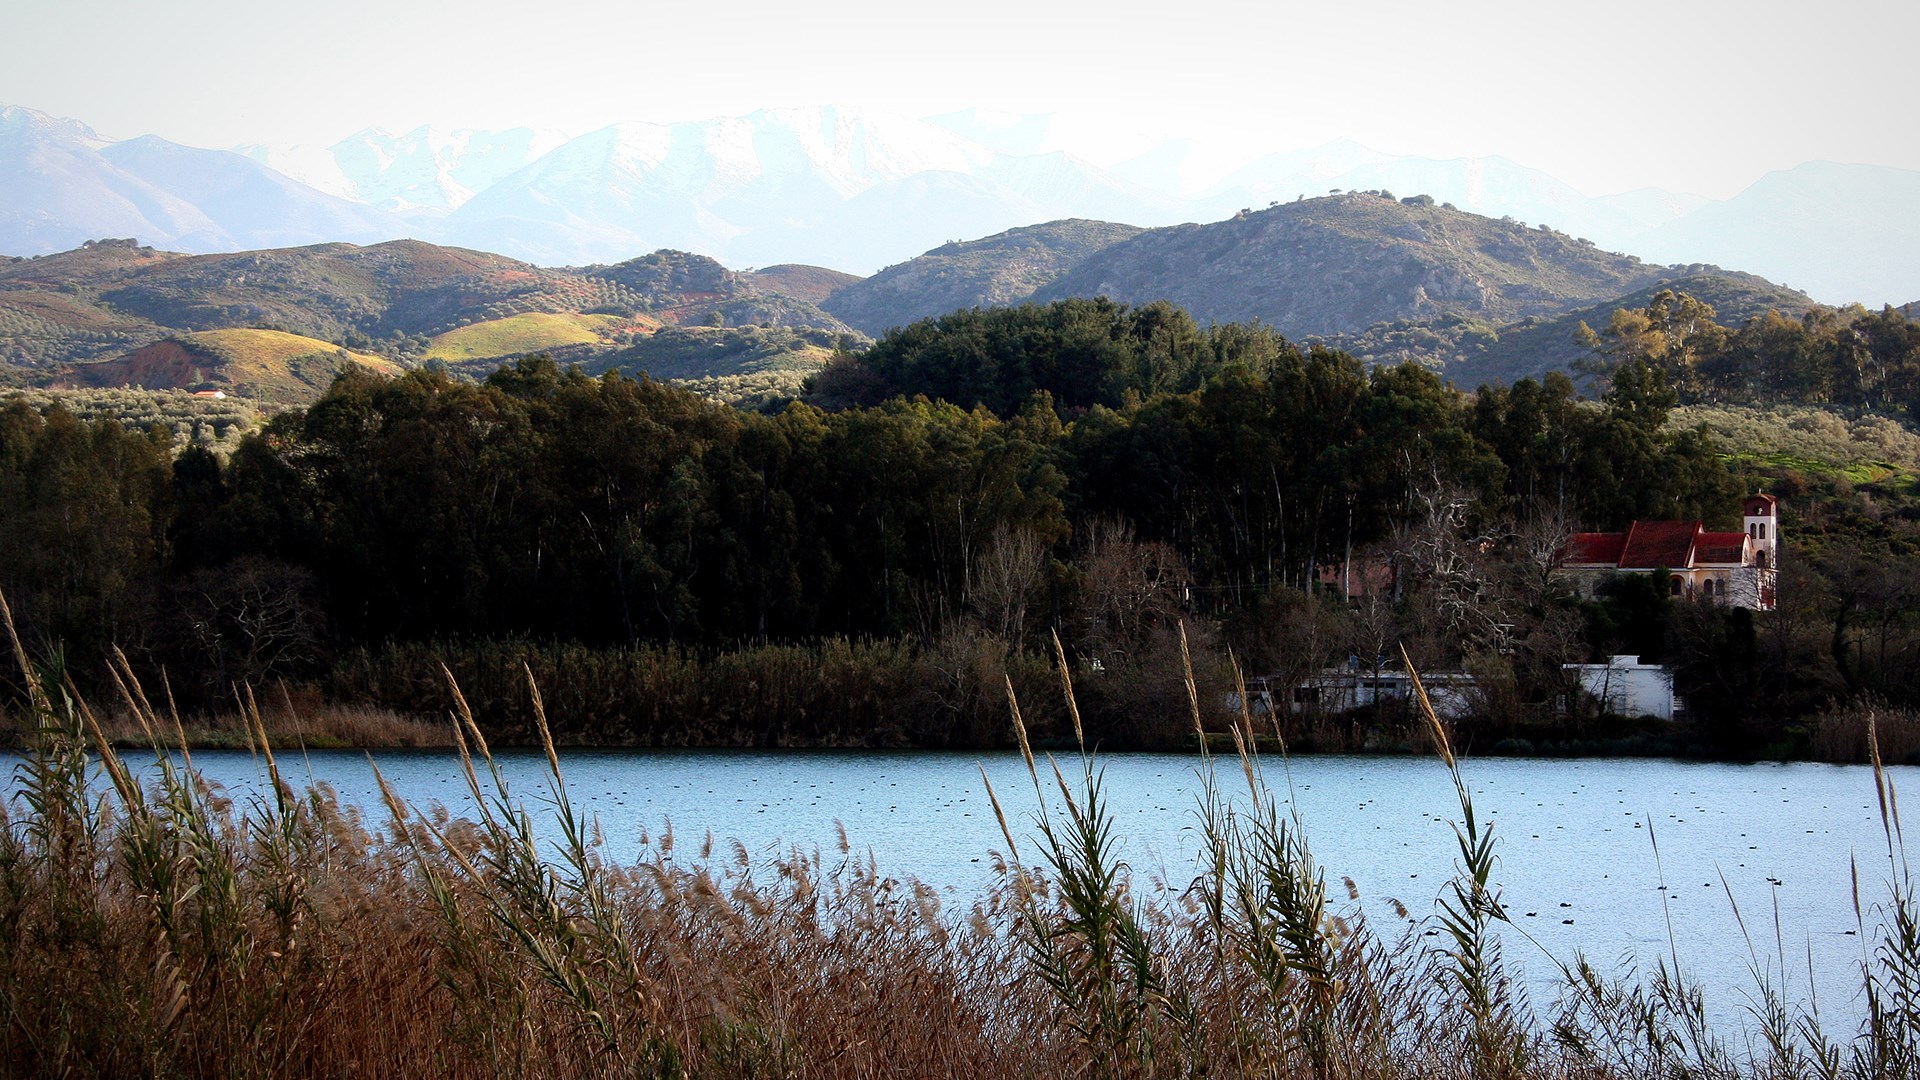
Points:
(1626, 687)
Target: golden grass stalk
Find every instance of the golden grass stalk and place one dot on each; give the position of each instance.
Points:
(174, 934)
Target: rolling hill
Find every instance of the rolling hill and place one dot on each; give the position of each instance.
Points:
(270, 367)
(810, 283)
(1387, 279)
(533, 331)
(1000, 269)
(402, 299)
(1474, 352)
(1341, 263)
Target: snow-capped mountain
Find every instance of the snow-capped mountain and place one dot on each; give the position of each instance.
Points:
(56, 190)
(826, 185)
(247, 204)
(62, 184)
(858, 190)
(427, 169)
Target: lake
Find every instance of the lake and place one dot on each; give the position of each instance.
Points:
(1579, 869)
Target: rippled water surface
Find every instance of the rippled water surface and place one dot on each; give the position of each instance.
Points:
(1580, 868)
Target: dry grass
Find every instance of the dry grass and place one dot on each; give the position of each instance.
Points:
(1853, 732)
(308, 723)
(163, 930)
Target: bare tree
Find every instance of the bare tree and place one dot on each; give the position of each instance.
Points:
(1452, 565)
(1129, 587)
(1004, 578)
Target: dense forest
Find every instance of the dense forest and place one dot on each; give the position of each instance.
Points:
(909, 535)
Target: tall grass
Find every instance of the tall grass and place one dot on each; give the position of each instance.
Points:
(150, 926)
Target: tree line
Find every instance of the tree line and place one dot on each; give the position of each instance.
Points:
(1110, 473)
(1841, 356)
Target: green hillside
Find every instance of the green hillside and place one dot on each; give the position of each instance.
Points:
(1476, 351)
(533, 331)
(740, 365)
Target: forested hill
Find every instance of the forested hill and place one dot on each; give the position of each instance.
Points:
(1474, 352)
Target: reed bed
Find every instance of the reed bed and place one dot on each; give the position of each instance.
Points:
(1855, 731)
(311, 725)
(150, 926)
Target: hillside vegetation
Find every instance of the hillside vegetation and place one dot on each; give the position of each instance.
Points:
(1342, 263)
(679, 287)
(404, 301)
(744, 366)
(1473, 351)
(216, 424)
(529, 332)
(996, 271)
(1806, 443)
(1389, 280)
(272, 368)
(810, 283)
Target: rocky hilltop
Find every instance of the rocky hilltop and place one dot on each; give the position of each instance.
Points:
(1001, 269)
(1342, 263)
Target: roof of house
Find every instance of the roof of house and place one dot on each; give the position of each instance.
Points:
(1721, 547)
(1595, 549)
(1650, 545)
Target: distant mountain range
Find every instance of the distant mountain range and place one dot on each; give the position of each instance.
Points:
(857, 191)
(275, 324)
(1387, 279)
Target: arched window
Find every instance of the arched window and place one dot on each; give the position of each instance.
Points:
(1677, 586)
(1706, 588)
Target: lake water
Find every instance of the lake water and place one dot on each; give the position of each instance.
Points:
(1578, 866)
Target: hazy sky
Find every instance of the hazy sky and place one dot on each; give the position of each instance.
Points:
(1682, 94)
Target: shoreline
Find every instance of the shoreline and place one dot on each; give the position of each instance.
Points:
(367, 727)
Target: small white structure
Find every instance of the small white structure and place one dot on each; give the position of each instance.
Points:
(1626, 687)
(1348, 689)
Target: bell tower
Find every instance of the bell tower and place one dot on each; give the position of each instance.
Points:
(1763, 528)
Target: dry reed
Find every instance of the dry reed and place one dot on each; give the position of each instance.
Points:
(151, 926)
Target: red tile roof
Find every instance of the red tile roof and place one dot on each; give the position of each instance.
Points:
(1648, 545)
(1652, 544)
(1721, 547)
(1595, 549)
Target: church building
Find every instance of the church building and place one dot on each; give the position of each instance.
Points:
(1734, 568)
